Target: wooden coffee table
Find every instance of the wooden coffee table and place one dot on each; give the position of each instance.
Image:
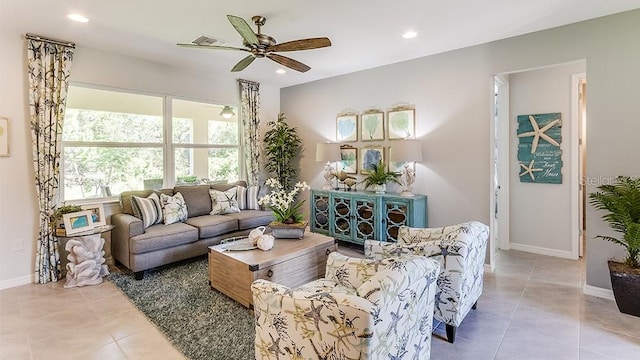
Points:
(291, 262)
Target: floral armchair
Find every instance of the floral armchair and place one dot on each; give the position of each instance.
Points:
(460, 249)
(362, 309)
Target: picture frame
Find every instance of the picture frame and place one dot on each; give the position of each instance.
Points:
(372, 126)
(77, 222)
(396, 166)
(370, 155)
(401, 124)
(349, 159)
(97, 214)
(347, 128)
(4, 136)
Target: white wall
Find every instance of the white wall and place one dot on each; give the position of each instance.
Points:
(452, 93)
(540, 214)
(18, 204)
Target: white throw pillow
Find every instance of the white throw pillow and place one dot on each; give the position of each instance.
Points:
(147, 209)
(174, 209)
(224, 202)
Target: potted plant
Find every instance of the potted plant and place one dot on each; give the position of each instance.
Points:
(621, 201)
(378, 177)
(282, 145)
(285, 208)
(55, 220)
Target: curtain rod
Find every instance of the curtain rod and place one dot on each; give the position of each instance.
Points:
(53, 41)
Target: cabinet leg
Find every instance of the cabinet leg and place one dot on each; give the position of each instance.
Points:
(139, 275)
(451, 333)
(475, 306)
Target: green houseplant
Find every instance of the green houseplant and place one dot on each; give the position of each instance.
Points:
(378, 177)
(621, 203)
(282, 145)
(55, 220)
(286, 209)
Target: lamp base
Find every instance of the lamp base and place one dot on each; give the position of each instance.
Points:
(407, 194)
(327, 187)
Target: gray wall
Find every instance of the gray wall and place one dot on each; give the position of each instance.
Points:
(452, 93)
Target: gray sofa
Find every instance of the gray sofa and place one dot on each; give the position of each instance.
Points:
(140, 249)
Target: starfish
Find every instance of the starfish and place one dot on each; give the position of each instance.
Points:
(529, 170)
(538, 133)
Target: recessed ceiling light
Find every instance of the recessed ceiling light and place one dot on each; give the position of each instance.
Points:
(78, 18)
(409, 35)
(281, 71)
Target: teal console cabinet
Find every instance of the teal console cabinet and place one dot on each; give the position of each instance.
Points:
(356, 216)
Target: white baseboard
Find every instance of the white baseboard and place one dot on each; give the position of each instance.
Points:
(598, 292)
(22, 280)
(542, 251)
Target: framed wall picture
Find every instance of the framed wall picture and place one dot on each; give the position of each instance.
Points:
(77, 222)
(349, 159)
(396, 166)
(401, 124)
(370, 156)
(97, 214)
(347, 128)
(4, 136)
(372, 126)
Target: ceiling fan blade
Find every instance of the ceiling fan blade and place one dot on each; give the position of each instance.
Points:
(302, 44)
(289, 62)
(243, 29)
(242, 64)
(211, 47)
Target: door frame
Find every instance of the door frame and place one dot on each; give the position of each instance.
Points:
(576, 179)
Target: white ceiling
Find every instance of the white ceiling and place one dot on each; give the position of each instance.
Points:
(365, 34)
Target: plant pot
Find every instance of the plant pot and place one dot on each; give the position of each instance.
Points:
(380, 189)
(288, 231)
(625, 282)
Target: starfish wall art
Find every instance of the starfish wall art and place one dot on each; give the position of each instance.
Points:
(539, 152)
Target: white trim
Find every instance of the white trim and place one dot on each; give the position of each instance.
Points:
(489, 268)
(598, 292)
(19, 281)
(574, 129)
(543, 251)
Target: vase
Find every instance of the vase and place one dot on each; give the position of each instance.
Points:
(288, 231)
(380, 189)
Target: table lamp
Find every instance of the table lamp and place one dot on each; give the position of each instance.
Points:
(408, 152)
(328, 152)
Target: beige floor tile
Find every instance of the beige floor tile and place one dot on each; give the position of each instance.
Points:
(109, 352)
(604, 313)
(125, 323)
(14, 345)
(607, 343)
(73, 340)
(147, 344)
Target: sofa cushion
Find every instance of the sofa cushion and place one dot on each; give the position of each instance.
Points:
(197, 199)
(125, 198)
(147, 209)
(249, 219)
(158, 237)
(224, 202)
(213, 225)
(174, 208)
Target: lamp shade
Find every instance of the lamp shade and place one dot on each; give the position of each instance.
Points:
(227, 112)
(328, 152)
(406, 150)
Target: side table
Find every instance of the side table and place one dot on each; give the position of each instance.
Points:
(86, 257)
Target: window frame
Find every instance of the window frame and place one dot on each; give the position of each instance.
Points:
(167, 146)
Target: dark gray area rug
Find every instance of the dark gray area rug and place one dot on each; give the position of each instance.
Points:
(200, 322)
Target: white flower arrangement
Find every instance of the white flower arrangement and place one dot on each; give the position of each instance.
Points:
(283, 204)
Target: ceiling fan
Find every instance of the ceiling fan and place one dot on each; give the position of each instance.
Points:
(262, 45)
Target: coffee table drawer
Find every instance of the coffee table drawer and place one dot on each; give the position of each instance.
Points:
(299, 270)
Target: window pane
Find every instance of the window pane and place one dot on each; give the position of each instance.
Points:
(101, 171)
(201, 123)
(194, 165)
(108, 116)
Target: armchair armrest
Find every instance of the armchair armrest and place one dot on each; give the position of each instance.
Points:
(349, 271)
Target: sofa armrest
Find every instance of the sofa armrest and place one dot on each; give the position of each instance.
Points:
(126, 226)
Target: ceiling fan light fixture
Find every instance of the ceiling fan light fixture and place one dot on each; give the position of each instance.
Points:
(281, 71)
(78, 18)
(409, 35)
(227, 112)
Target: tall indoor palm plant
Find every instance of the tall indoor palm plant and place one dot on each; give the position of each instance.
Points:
(282, 145)
(621, 201)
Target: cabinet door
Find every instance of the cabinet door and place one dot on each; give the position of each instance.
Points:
(395, 213)
(341, 218)
(320, 212)
(365, 227)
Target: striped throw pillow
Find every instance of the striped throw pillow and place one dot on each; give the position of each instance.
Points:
(147, 209)
(241, 196)
(252, 198)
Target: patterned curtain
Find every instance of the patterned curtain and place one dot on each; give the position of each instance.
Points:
(250, 115)
(48, 64)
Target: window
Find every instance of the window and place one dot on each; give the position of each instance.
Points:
(114, 141)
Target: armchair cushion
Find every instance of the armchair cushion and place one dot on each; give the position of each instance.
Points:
(388, 315)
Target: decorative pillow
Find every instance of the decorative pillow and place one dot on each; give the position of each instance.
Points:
(247, 198)
(147, 209)
(174, 209)
(224, 202)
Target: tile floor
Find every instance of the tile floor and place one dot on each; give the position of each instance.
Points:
(532, 308)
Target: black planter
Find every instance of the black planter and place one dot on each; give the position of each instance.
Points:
(626, 288)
